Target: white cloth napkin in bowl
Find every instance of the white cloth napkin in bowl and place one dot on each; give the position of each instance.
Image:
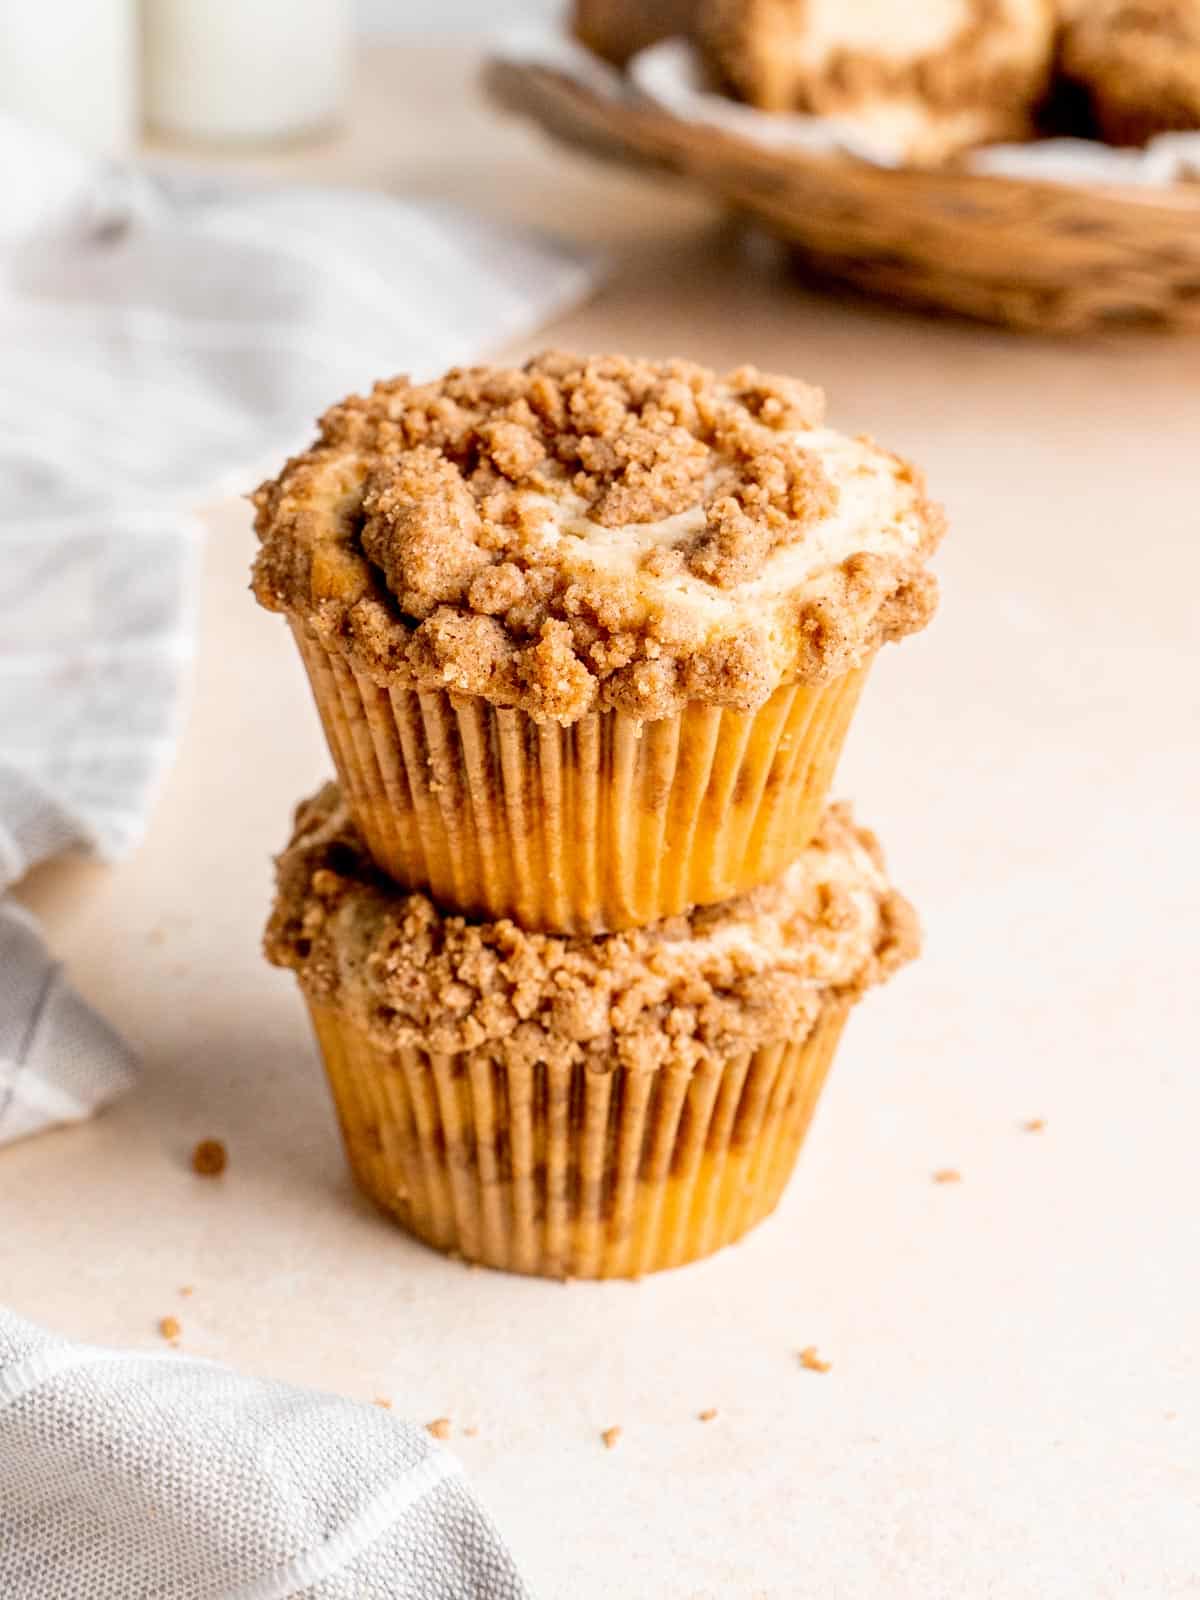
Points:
(127, 1475)
(161, 338)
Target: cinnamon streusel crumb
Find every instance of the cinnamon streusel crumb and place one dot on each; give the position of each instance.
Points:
(209, 1158)
(577, 534)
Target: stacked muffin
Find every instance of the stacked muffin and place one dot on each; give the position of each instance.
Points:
(577, 932)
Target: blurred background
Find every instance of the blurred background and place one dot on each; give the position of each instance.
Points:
(398, 17)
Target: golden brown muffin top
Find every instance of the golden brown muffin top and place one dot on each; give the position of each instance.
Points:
(580, 533)
(755, 970)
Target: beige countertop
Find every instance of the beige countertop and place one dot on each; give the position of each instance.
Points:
(1014, 1402)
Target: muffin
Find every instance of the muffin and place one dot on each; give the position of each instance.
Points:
(586, 1107)
(1138, 63)
(618, 29)
(586, 635)
(925, 81)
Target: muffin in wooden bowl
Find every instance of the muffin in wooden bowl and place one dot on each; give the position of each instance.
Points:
(1138, 64)
(926, 80)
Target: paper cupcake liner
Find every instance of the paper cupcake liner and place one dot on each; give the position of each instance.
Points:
(568, 1171)
(606, 824)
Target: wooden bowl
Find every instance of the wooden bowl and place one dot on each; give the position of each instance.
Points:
(1041, 255)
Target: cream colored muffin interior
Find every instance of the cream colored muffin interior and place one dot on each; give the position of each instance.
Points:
(583, 533)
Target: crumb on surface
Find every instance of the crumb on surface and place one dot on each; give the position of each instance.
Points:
(187, 1291)
(708, 1414)
(610, 1437)
(811, 1361)
(384, 1405)
(170, 1328)
(1034, 1125)
(947, 1175)
(210, 1158)
(472, 1432)
(439, 1427)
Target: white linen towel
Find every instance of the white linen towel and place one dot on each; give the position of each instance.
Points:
(160, 338)
(128, 1475)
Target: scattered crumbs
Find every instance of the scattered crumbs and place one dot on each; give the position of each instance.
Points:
(210, 1158)
(708, 1415)
(384, 1405)
(471, 1432)
(811, 1361)
(439, 1427)
(156, 935)
(187, 1291)
(1034, 1125)
(610, 1437)
(947, 1175)
(1169, 1416)
(170, 1328)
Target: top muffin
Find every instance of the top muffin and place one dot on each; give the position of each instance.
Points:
(583, 533)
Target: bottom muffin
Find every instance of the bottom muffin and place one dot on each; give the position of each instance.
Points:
(580, 1107)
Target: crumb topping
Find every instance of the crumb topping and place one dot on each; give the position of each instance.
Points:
(582, 533)
(691, 990)
(812, 1362)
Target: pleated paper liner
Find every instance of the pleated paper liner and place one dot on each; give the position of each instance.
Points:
(568, 1171)
(609, 823)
